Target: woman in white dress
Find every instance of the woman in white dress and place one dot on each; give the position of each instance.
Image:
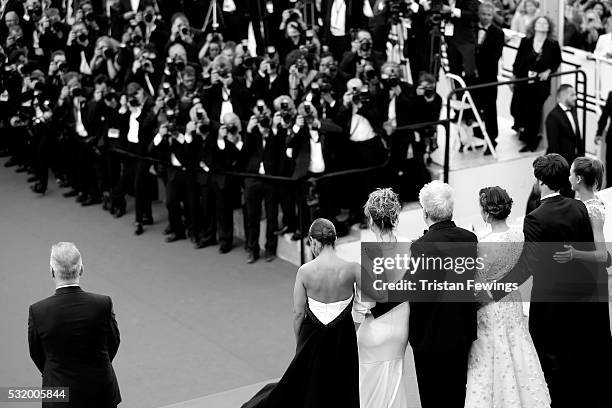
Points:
(382, 340)
(503, 369)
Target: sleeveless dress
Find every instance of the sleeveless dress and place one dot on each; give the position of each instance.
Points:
(324, 372)
(503, 369)
(382, 343)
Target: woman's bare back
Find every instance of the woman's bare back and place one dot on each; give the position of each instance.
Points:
(329, 279)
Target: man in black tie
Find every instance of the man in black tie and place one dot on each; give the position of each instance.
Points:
(73, 336)
(563, 130)
(489, 48)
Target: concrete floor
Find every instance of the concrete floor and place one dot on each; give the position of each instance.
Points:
(193, 323)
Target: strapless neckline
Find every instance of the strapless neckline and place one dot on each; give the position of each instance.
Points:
(326, 313)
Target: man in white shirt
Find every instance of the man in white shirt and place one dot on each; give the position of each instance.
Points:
(340, 17)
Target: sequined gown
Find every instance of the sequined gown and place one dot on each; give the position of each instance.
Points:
(503, 369)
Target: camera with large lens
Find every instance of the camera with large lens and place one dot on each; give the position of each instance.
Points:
(365, 44)
(361, 95)
(76, 92)
(434, 15)
(147, 65)
(90, 16)
(62, 67)
(390, 81)
(148, 17)
(184, 30)
(109, 53)
(82, 37)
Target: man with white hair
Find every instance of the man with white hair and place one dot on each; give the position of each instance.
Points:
(73, 336)
(441, 331)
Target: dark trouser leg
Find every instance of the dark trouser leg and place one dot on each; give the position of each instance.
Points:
(225, 215)
(142, 194)
(208, 231)
(117, 170)
(253, 194)
(271, 205)
(287, 203)
(442, 370)
(339, 45)
(486, 102)
(174, 193)
(43, 153)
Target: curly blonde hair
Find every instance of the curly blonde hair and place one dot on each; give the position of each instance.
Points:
(383, 209)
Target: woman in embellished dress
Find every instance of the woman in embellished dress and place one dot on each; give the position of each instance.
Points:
(503, 369)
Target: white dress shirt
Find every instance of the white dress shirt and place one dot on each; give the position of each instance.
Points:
(135, 4)
(317, 163)
(132, 135)
(367, 9)
(361, 130)
(604, 45)
(226, 105)
(549, 196)
(337, 24)
(570, 116)
(229, 6)
(80, 128)
(392, 115)
(67, 286)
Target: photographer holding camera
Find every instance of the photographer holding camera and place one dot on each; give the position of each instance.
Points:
(104, 60)
(340, 17)
(226, 94)
(352, 62)
(363, 146)
(54, 33)
(144, 70)
(79, 49)
(261, 153)
(271, 80)
(178, 147)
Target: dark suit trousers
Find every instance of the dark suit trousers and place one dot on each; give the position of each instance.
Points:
(442, 376)
(256, 191)
(45, 144)
(486, 102)
(181, 188)
(217, 213)
(339, 45)
(87, 181)
(461, 58)
(137, 180)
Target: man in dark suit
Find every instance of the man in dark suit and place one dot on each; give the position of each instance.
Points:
(73, 336)
(461, 51)
(568, 317)
(339, 18)
(489, 48)
(261, 156)
(563, 130)
(227, 94)
(441, 332)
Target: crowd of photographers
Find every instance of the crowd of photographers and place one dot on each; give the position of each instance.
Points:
(108, 97)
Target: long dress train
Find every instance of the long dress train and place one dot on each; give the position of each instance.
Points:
(325, 371)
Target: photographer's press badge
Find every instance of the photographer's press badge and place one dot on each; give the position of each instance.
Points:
(449, 29)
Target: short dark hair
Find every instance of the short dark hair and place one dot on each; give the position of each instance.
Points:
(324, 231)
(591, 170)
(551, 169)
(563, 88)
(496, 202)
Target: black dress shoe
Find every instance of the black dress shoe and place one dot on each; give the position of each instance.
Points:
(147, 221)
(224, 249)
(91, 201)
(175, 237)
(253, 256)
(21, 169)
(119, 212)
(168, 230)
(205, 243)
(32, 179)
(38, 188)
(139, 230)
(11, 163)
(270, 256)
(63, 183)
(71, 193)
(82, 198)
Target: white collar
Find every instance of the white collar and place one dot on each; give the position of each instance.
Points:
(565, 108)
(66, 285)
(549, 196)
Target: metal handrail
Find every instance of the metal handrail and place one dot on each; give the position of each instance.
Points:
(577, 72)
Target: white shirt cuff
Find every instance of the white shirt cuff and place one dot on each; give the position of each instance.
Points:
(157, 139)
(457, 12)
(295, 128)
(221, 144)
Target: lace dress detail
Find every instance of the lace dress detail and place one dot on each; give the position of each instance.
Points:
(597, 210)
(503, 369)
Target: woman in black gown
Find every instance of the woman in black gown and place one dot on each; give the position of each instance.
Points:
(538, 56)
(325, 370)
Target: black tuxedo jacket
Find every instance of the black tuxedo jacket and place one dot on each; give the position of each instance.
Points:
(353, 18)
(561, 136)
(73, 338)
(146, 132)
(218, 161)
(405, 106)
(253, 153)
(464, 25)
(488, 53)
(239, 97)
(442, 325)
(300, 143)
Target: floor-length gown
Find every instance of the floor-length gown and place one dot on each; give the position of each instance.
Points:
(324, 372)
(382, 343)
(503, 370)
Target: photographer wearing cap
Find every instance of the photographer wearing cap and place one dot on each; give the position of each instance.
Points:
(177, 146)
(352, 62)
(261, 153)
(363, 146)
